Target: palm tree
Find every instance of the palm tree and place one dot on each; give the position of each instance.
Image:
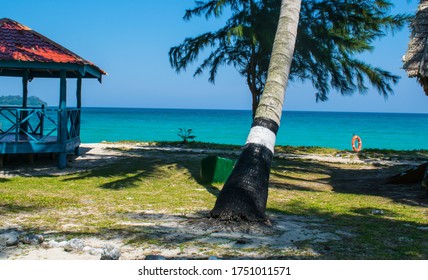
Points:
(245, 41)
(331, 35)
(244, 194)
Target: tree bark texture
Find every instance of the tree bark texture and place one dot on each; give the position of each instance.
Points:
(272, 100)
(244, 195)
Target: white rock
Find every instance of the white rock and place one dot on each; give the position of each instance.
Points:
(33, 239)
(95, 251)
(62, 243)
(110, 252)
(10, 238)
(87, 249)
(53, 244)
(74, 244)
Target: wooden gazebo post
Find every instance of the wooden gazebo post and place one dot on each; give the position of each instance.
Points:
(24, 98)
(62, 161)
(79, 105)
(24, 89)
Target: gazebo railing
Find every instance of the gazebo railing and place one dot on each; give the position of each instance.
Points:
(73, 123)
(38, 125)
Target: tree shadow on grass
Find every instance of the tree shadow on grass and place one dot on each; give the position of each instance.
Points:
(125, 173)
(349, 179)
(374, 182)
(7, 208)
(138, 165)
(291, 174)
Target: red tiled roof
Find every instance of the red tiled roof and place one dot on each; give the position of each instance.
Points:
(20, 43)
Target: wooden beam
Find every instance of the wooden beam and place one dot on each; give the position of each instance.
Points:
(79, 106)
(87, 71)
(24, 126)
(25, 89)
(62, 159)
(79, 92)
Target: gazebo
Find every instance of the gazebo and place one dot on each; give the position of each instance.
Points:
(415, 61)
(26, 54)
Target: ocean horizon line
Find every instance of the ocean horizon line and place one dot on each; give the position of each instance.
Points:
(247, 110)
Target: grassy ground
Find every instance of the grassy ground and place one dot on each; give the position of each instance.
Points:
(379, 221)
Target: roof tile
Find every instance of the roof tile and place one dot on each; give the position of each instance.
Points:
(18, 42)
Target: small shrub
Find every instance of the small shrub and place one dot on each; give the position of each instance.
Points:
(186, 134)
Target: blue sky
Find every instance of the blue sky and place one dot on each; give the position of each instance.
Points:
(131, 39)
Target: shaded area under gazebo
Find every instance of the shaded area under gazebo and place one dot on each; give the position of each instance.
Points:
(27, 54)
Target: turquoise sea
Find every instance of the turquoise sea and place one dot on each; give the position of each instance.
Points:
(325, 129)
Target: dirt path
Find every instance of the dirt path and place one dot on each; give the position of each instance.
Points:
(101, 154)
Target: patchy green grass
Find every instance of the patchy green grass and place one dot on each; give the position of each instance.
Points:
(106, 200)
(301, 150)
(189, 145)
(97, 198)
(349, 198)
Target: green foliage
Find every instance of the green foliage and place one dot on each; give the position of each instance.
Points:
(186, 134)
(16, 100)
(331, 35)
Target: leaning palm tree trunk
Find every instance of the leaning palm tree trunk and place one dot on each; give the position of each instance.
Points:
(244, 195)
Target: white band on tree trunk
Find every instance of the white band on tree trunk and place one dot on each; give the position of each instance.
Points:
(262, 136)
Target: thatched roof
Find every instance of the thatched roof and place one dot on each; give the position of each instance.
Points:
(416, 59)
